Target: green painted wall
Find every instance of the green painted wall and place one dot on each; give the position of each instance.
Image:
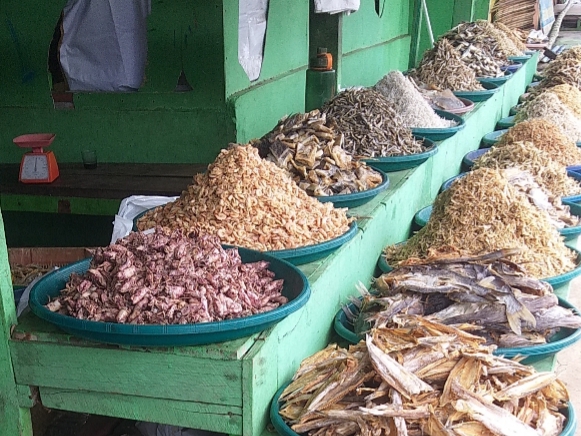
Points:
(372, 45)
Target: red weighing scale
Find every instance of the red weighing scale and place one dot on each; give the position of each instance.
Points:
(37, 166)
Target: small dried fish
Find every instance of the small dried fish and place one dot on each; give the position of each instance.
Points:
(372, 128)
(409, 102)
(525, 156)
(547, 136)
(442, 67)
(481, 212)
(310, 149)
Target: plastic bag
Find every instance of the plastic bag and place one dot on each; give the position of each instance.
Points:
(132, 206)
(150, 429)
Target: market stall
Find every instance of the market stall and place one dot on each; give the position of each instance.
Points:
(227, 387)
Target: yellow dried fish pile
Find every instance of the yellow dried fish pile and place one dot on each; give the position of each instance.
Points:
(570, 96)
(566, 69)
(423, 378)
(549, 174)
(481, 212)
(250, 202)
(547, 105)
(546, 136)
(442, 67)
(370, 124)
(23, 275)
(515, 37)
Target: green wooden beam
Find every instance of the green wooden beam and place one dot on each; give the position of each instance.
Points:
(14, 420)
(212, 417)
(40, 203)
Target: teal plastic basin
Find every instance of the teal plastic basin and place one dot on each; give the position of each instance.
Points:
(443, 133)
(496, 80)
(505, 123)
(399, 163)
(358, 198)
(477, 96)
(296, 288)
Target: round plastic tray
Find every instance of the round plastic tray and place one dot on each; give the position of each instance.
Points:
(468, 106)
(399, 163)
(422, 216)
(444, 133)
(301, 255)
(577, 176)
(492, 138)
(505, 123)
(470, 157)
(496, 80)
(512, 67)
(513, 110)
(521, 59)
(383, 265)
(477, 96)
(563, 339)
(532, 85)
(282, 428)
(296, 288)
(358, 198)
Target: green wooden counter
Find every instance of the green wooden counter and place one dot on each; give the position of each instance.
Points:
(227, 387)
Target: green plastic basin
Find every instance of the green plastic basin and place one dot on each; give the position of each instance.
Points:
(296, 288)
(478, 96)
(358, 198)
(399, 163)
(443, 133)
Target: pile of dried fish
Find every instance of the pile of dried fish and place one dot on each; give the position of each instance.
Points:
(547, 105)
(484, 48)
(408, 102)
(546, 136)
(371, 126)
(481, 212)
(23, 275)
(496, 297)
(310, 149)
(440, 99)
(250, 202)
(423, 378)
(558, 214)
(570, 96)
(442, 67)
(563, 70)
(168, 278)
(517, 39)
(548, 173)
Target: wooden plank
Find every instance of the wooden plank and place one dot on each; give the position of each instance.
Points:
(33, 328)
(14, 419)
(40, 203)
(197, 415)
(112, 181)
(129, 372)
(259, 382)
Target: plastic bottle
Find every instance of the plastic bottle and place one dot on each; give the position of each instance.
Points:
(321, 81)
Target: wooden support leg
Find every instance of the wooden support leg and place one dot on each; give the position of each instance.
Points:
(15, 420)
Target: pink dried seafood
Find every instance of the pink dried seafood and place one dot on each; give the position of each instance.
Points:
(250, 202)
(168, 278)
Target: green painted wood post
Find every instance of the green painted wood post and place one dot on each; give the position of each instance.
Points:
(14, 420)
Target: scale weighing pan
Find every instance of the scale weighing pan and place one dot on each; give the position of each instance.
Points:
(34, 140)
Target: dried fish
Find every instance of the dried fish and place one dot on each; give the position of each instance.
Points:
(548, 106)
(249, 202)
(566, 69)
(371, 126)
(23, 275)
(515, 37)
(549, 174)
(475, 391)
(570, 96)
(545, 135)
(494, 295)
(408, 102)
(442, 67)
(310, 149)
(481, 212)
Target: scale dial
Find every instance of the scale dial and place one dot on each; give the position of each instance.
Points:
(34, 167)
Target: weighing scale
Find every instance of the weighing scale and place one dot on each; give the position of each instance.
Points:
(37, 166)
